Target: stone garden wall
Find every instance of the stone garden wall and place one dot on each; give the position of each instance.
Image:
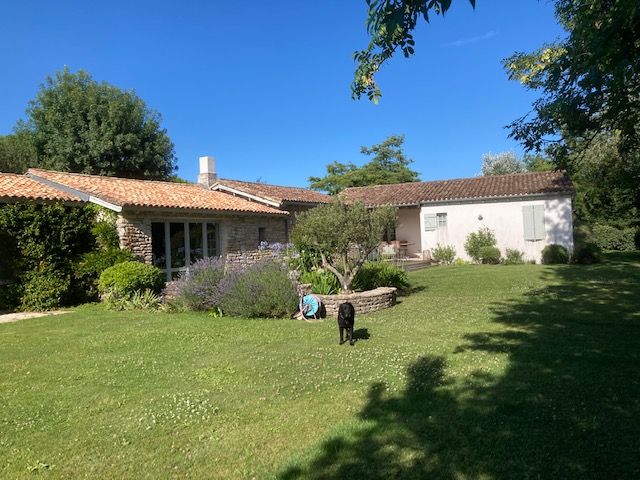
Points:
(363, 302)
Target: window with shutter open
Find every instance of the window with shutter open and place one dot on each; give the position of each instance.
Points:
(429, 222)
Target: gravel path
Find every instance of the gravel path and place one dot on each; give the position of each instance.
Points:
(14, 317)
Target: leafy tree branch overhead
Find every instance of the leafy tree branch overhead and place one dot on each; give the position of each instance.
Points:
(390, 24)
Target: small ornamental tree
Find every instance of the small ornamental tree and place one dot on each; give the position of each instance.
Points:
(343, 235)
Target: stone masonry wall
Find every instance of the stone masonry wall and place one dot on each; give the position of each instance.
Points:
(135, 236)
(363, 302)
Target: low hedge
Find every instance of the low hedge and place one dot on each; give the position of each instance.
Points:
(126, 278)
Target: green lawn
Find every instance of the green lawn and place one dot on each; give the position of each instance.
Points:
(484, 372)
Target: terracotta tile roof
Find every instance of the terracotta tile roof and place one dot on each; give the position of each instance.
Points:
(19, 187)
(499, 186)
(125, 192)
(275, 193)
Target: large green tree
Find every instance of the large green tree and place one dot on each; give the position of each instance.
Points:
(17, 153)
(390, 24)
(388, 165)
(343, 235)
(504, 163)
(77, 124)
(589, 82)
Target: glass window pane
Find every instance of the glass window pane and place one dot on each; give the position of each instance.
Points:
(195, 241)
(158, 245)
(442, 219)
(176, 230)
(212, 240)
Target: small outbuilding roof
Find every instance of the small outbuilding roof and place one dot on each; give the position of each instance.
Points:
(275, 195)
(477, 188)
(116, 193)
(14, 187)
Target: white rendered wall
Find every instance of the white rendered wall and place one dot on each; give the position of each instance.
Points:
(505, 219)
(408, 229)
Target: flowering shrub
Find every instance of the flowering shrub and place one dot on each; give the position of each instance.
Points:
(260, 290)
(198, 289)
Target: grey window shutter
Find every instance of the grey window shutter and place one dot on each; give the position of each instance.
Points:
(538, 221)
(429, 221)
(527, 219)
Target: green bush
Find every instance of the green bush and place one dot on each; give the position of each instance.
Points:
(587, 253)
(88, 270)
(513, 257)
(380, 274)
(444, 254)
(608, 237)
(125, 279)
(322, 282)
(260, 290)
(554, 253)
(476, 240)
(489, 254)
(459, 262)
(46, 288)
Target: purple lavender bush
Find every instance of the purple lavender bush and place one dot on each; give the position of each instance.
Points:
(198, 288)
(264, 289)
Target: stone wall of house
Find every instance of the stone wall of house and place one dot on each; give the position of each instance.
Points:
(363, 302)
(239, 234)
(135, 236)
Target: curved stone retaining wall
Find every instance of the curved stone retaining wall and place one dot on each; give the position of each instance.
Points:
(363, 302)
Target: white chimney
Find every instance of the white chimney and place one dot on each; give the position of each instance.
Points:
(207, 175)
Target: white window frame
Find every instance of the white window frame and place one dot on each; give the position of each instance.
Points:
(169, 271)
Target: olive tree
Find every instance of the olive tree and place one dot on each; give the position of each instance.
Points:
(343, 235)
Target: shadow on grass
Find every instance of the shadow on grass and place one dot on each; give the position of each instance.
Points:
(361, 334)
(568, 405)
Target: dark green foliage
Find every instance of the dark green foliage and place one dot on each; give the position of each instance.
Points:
(388, 165)
(90, 267)
(322, 282)
(587, 253)
(260, 290)
(489, 254)
(343, 235)
(476, 240)
(17, 153)
(126, 278)
(380, 274)
(48, 239)
(45, 288)
(76, 124)
(554, 253)
(608, 237)
(513, 257)
(444, 254)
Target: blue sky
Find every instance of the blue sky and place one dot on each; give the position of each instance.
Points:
(264, 85)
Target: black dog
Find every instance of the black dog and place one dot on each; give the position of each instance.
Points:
(346, 320)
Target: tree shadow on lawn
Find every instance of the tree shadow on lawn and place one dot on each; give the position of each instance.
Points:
(568, 405)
